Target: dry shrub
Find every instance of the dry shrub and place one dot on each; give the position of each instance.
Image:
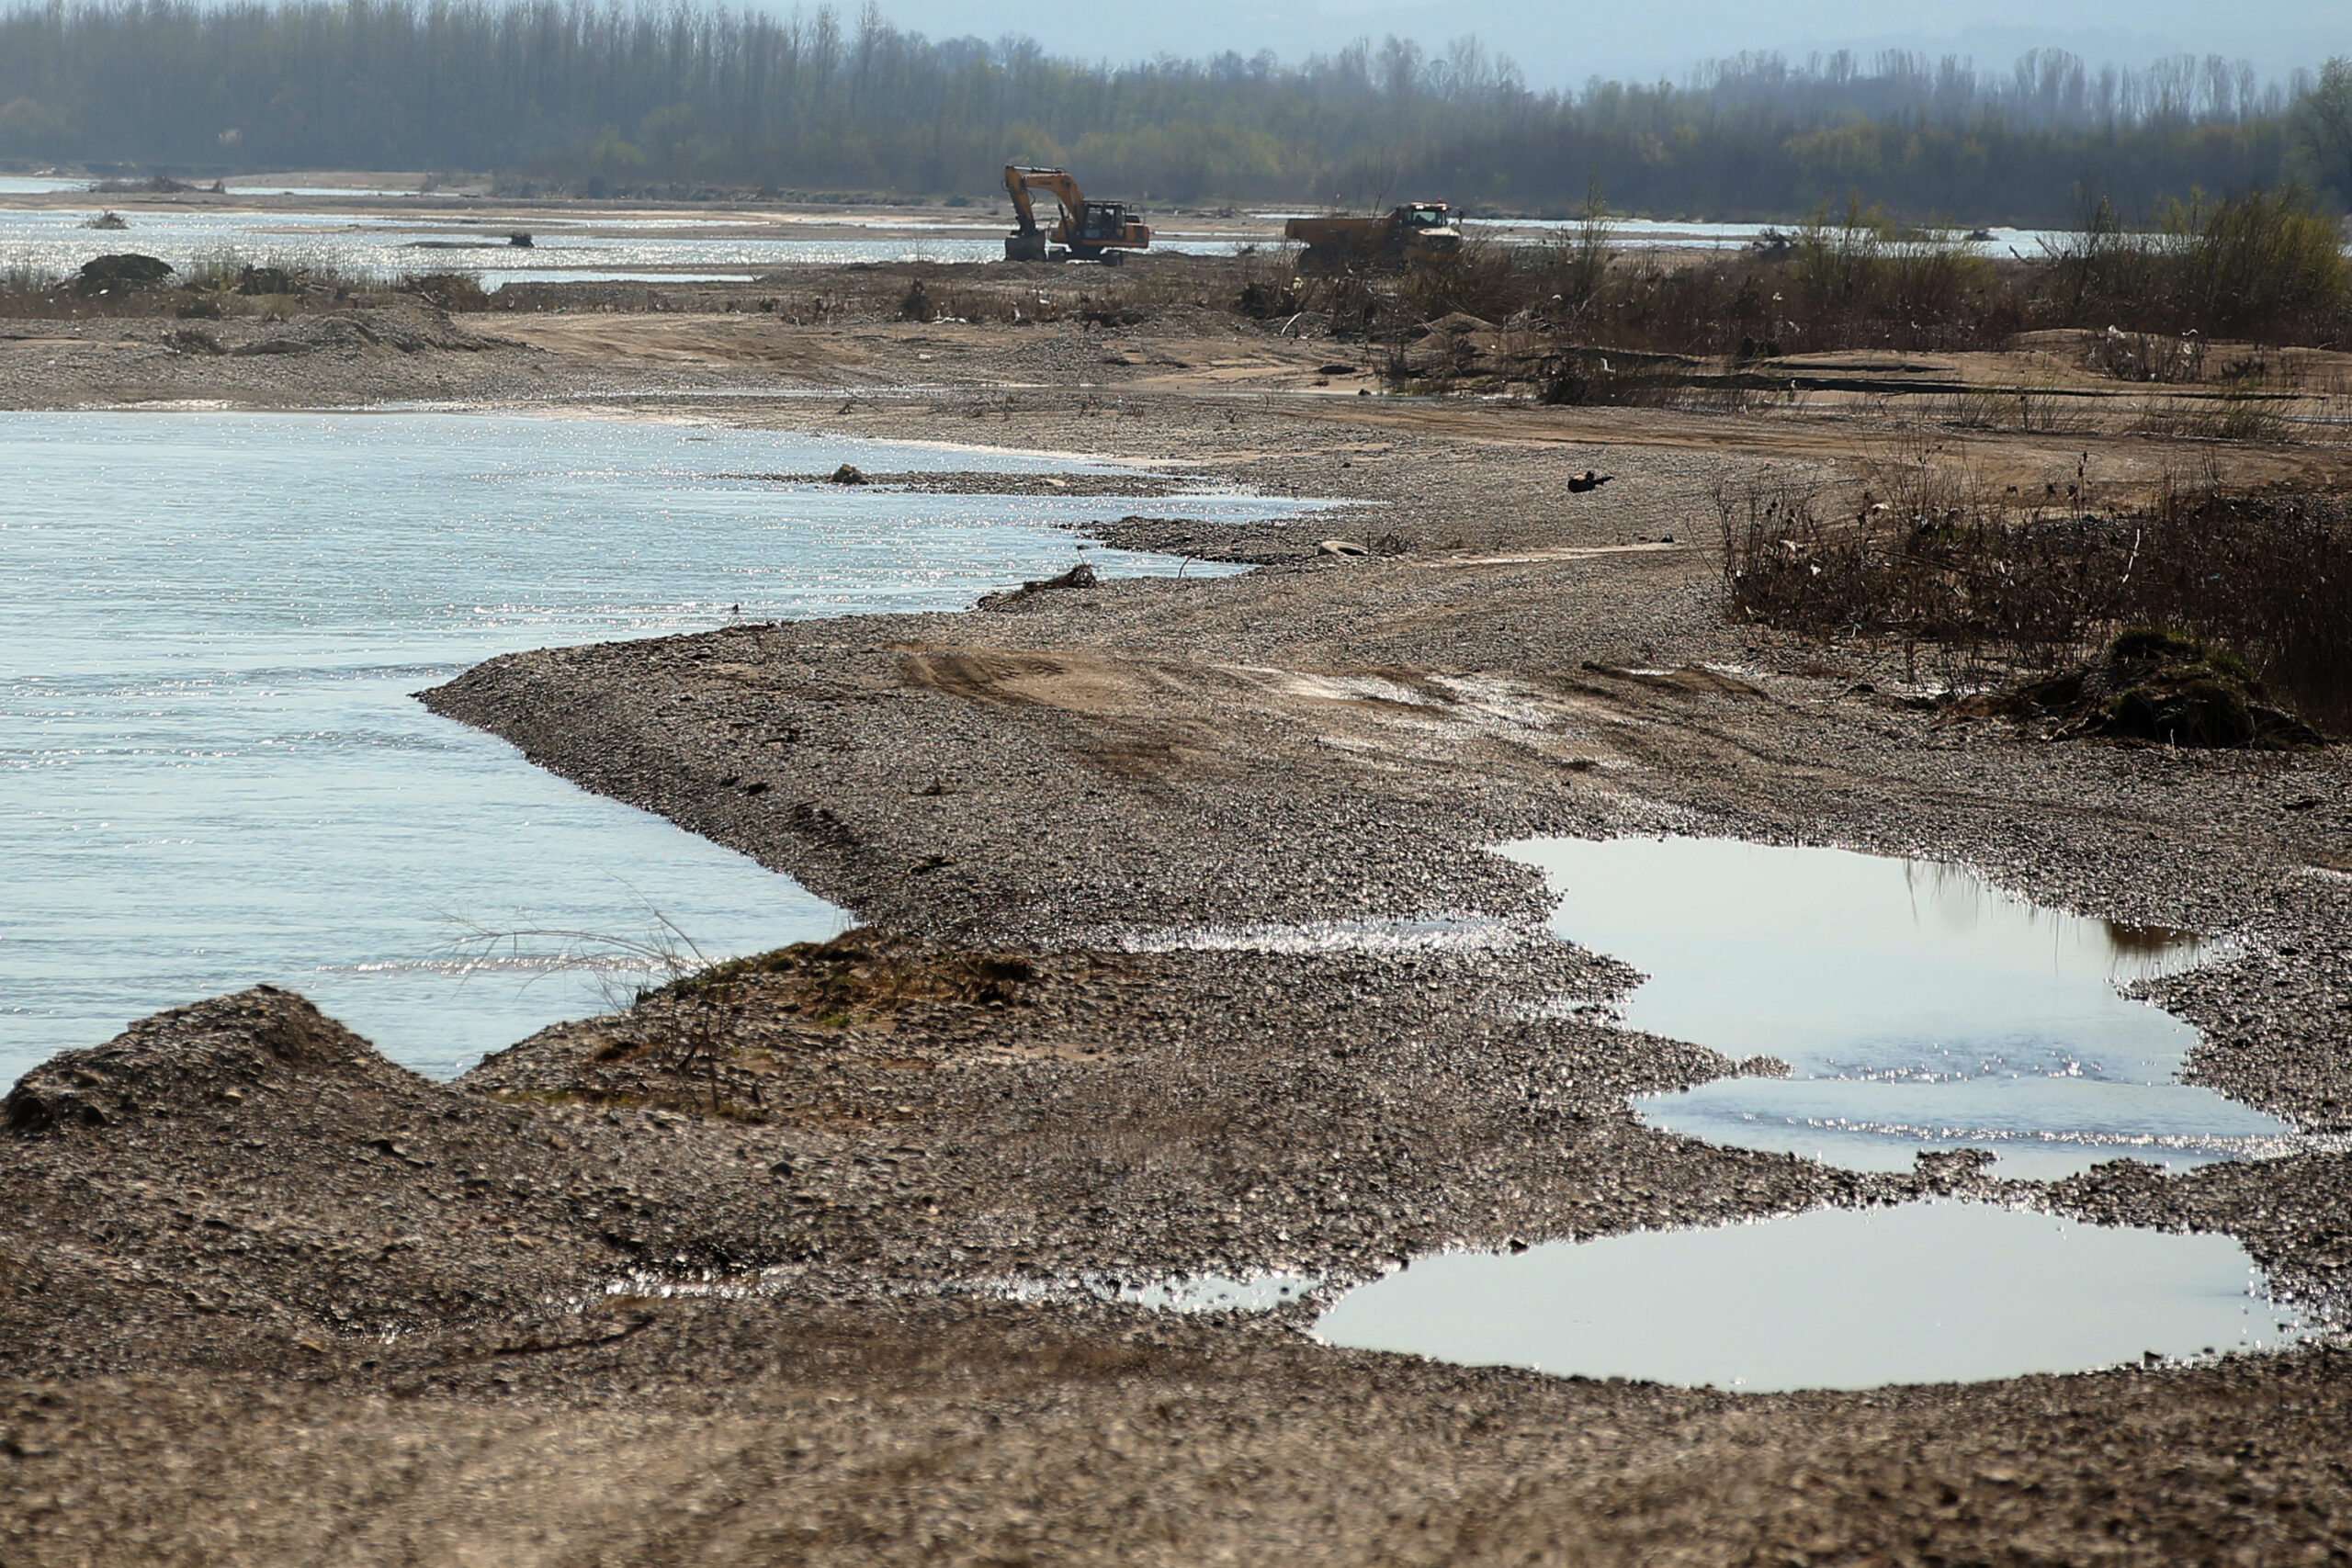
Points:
(2233, 416)
(2267, 266)
(1864, 279)
(1269, 282)
(1621, 380)
(2034, 410)
(2146, 356)
(2264, 267)
(1482, 278)
(447, 291)
(2268, 579)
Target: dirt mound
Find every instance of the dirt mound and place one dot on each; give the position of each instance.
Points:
(121, 274)
(2160, 689)
(213, 1048)
(367, 332)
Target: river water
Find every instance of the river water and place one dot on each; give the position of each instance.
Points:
(583, 248)
(587, 246)
(212, 771)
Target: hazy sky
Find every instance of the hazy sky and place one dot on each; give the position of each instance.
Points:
(1559, 44)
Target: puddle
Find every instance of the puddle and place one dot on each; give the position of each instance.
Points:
(1836, 1298)
(1917, 1007)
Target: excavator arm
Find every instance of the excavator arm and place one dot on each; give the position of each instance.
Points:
(1019, 181)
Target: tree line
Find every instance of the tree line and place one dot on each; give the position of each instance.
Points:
(609, 100)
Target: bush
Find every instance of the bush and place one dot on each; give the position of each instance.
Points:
(2266, 578)
(447, 291)
(1920, 287)
(2268, 266)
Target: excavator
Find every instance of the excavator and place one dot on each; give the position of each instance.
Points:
(1094, 230)
(1417, 231)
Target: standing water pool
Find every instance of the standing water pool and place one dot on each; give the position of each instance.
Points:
(212, 771)
(1918, 1007)
(1838, 1298)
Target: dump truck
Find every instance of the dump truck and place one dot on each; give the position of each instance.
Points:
(1089, 231)
(1416, 231)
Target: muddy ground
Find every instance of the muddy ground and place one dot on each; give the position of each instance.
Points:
(725, 1279)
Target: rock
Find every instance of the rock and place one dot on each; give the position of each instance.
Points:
(1079, 576)
(192, 340)
(847, 474)
(1946, 1171)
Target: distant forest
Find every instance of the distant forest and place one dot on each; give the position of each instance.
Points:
(680, 101)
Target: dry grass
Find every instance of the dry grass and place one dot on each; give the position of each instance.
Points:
(2233, 416)
(217, 286)
(1932, 558)
(2036, 410)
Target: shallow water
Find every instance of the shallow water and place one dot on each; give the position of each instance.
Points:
(212, 771)
(494, 281)
(1927, 1292)
(582, 249)
(1653, 233)
(589, 247)
(1918, 1007)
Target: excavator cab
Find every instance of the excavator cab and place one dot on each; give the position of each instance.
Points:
(1094, 231)
(1104, 222)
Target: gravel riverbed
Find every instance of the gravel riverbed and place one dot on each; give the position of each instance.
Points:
(1181, 952)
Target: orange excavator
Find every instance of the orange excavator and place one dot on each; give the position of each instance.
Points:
(1094, 231)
